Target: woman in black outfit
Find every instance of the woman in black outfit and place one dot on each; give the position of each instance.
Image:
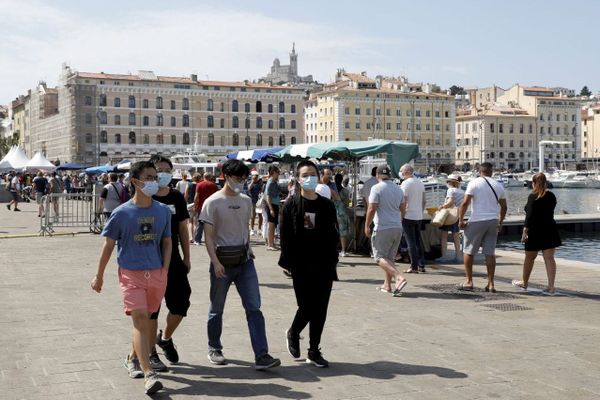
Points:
(540, 232)
(309, 238)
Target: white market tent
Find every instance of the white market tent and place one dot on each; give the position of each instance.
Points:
(15, 159)
(39, 162)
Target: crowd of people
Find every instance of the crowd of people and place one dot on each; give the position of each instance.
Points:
(153, 221)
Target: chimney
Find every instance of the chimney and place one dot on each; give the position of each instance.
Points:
(194, 77)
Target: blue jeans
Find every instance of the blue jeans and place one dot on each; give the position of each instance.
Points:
(198, 232)
(246, 283)
(412, 232)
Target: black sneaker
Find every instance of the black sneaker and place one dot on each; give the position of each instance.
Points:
(266, 361)
(16, 209)
(293, 343)
(168, 348)
(422, 269)
(156, 364)
(8, 206)
(316, 358)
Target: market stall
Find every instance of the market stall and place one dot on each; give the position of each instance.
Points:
(397, 153)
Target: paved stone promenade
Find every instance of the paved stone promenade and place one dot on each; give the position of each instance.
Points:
(60, 340)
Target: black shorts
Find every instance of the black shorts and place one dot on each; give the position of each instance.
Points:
(179, 291)
(273, 219)
(15, 195)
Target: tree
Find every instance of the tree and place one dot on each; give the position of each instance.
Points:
(454, 90)
(435, 88)
(585, 92)
(6, 143)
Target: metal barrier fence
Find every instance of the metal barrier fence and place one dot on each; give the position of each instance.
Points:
(71, 210)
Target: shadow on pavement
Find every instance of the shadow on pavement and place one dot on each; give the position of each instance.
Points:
(205, 384)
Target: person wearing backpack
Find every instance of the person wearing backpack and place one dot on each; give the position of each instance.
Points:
(112, 196)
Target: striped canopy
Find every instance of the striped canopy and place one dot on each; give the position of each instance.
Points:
(256, 155)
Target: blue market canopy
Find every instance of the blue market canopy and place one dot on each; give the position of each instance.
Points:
(71, 167)
(398, 152)
(265, 155)
(100, 169)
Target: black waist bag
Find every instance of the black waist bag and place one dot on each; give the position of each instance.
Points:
(232, 256)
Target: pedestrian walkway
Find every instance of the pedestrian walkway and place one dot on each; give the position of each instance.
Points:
(59, 339)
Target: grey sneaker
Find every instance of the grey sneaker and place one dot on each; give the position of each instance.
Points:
(133, 367)
(157, 364)
(265, 362)
(216, 357)
(151, 383)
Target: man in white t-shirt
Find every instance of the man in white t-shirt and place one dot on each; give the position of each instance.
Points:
(368, 185)
(488, 209)
(412, 216)
(385, 201)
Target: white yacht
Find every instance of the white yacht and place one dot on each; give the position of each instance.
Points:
(573, 180)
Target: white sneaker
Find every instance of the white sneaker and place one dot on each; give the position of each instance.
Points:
(343, 254)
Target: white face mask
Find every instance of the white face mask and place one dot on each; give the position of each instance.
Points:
(235, 186)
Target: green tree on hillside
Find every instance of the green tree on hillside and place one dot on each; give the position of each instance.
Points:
(585, 92)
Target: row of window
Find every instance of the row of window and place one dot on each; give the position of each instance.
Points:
(388, 112)
(235, 139)
(557, 117)
(185, 104)
(185, 122)
(512, 156)
(511, 129)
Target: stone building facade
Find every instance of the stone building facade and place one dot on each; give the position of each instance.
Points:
(357, 107)
(107, 117)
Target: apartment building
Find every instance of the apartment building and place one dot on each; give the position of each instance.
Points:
(557, 119)
(357, 107)
(590, 135)
(99, 117)
(503, 135)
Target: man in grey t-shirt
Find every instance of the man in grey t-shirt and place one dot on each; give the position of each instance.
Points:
(225, 215)
(385, 199)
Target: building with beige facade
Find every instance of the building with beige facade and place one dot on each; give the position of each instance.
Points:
(479, 97)
(357, 107)
(98, 117)
(503, 135)
(19, 117)
(557, 119)
(590, 136)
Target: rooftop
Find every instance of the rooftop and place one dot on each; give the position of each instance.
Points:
(148, 76)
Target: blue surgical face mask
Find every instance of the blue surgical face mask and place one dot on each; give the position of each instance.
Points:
(150, 188)
(164, 178)
(309, 182)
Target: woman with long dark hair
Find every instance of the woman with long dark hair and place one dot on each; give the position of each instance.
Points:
(309, 238)
(540, 232)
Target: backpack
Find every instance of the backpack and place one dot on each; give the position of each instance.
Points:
(123, 194)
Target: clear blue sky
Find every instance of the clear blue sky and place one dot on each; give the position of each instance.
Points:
(469, 43)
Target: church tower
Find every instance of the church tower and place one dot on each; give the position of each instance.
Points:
(293, 62)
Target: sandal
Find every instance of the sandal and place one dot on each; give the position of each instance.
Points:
(383, 290)
(519, 284)
(461, 286)
(398, 290)
(411, 271)
(487, 289)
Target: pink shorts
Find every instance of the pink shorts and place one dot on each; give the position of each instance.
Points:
(142, 289)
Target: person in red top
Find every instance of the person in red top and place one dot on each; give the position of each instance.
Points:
(204, 189)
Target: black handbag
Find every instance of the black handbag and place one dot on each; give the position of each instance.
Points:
(232, 256)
